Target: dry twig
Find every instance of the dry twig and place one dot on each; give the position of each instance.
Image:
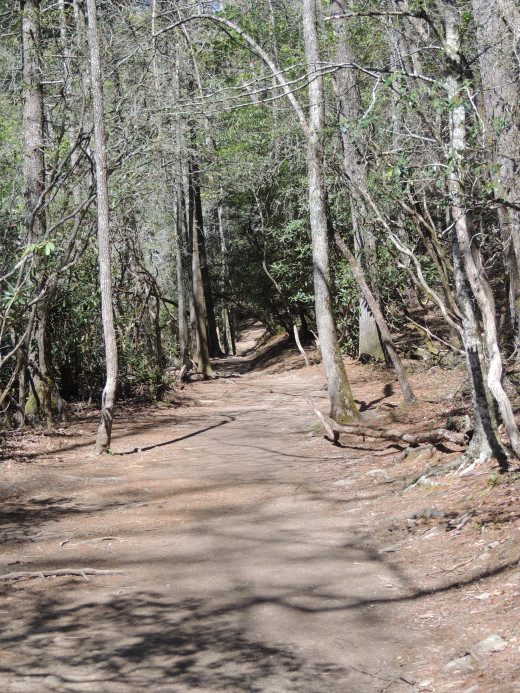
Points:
(81, 572)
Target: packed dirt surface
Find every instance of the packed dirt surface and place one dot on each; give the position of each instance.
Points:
(248, 553)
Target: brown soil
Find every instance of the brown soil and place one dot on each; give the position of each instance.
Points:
(255, 555)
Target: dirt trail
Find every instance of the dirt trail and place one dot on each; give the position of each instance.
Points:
(248, 565)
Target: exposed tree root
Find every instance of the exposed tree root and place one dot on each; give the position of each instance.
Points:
(81, 572)
(435, 435)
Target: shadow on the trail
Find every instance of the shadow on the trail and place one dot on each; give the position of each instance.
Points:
(175, 440)
(148, 641)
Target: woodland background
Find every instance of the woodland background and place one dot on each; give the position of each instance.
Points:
(346, 171)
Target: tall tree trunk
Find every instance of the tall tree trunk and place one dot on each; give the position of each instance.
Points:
(198, 304)
(211, 322)
(229, 342)
(180, 225)
(104, 431)
(343, 407)
(348, 99)
(34, 182)
(461, 218)
(501, 104)
(179, 266)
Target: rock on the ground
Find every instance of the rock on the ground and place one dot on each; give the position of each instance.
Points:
(493, 643)
(459, 664)
(380, 473)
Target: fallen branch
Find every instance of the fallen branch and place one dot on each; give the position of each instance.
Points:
(435, 435)
(333, 435)
(81, 572)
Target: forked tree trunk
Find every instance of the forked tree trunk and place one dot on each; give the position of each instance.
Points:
(485, 442)
(469, 249)
(343, 407)
(409, 397)
(104, 431)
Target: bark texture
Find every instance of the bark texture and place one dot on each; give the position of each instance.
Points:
(342, 402)
(104, 431)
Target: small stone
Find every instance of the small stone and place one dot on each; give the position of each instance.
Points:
(53, 682)
(431, 533)
(484, 595)
(493, 643)
(378, 472)
(471, 689)
(493, 545)
(484, 556)
(343, 482)
(424, 684)
(459, 664)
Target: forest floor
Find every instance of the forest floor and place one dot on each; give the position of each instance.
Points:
(254, 554)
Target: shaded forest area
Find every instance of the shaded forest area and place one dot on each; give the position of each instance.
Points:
(344, 171)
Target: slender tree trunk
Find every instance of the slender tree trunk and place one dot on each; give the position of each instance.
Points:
(211, 322)
(365, 243)
(343, 407)
(409, 397)
(469, 250)
(181, 288)
(501, 105)
(198, 304)
(104, 431)
(229, 344)
(180, 223)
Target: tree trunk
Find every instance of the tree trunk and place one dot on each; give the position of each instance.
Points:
(409, 397)
(34, 179)
(485, 442)
(347, 99)
(500, 85)
(211, 322)
(179, 266)
(180, 222)
(104, 431)
(229, 342)
(342, 403)
(469, 250)
(198, 304)
(365, 256)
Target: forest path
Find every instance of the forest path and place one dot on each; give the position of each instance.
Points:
(248, 566)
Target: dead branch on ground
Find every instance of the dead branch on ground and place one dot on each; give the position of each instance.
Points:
(81, 572)
(434, 436)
